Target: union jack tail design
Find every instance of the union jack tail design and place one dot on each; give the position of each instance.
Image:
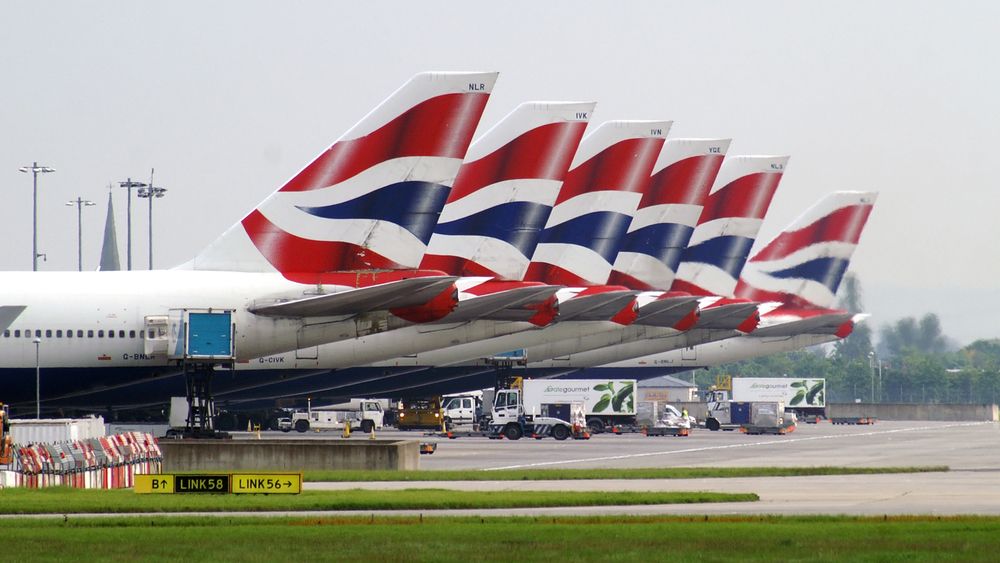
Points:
(668, 213)
(804, 265)
(595, 205)
(728, 225)
(371, 200)
(505, 190)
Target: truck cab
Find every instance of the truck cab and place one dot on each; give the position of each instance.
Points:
(462, 409)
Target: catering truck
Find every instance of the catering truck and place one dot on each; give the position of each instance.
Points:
(513, 417)
(731, 402)
(606, 403)
(801, 395)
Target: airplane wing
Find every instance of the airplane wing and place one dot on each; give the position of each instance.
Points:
(506, 305)
(595, 306)
(729, 316)
(667, 311)
(828, 323)
(9, 313)
(410, 292)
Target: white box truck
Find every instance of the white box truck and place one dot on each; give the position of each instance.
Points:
(606, 403)
(802, 395)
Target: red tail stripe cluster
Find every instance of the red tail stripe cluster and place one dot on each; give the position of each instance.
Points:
(544, 152)
(441, 126)
(843, 225)
(748, 196)
(685, 181)
(624, 166)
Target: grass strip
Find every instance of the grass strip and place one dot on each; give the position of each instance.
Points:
(653, 538)
(638, 473)
(68, 501)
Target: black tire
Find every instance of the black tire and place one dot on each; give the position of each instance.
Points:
(512, 432)
(712, 424)
(560, 432)
(286, 430)
(301, 425)
(367, 426)
(595, 425)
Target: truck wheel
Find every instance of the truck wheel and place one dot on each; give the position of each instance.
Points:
(512, 432)
(712, 424)
(367, 426)
(560, 432)
(286, 430)
(301, 425)
(596, 425)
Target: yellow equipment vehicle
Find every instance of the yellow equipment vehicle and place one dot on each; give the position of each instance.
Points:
(6, 442)
(419, 413)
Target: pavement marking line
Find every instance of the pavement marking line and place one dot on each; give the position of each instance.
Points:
(777, 440)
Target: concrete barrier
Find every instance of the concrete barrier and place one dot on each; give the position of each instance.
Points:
(288, 455)
(900, 411)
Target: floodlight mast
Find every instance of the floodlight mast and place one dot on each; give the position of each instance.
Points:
(35, 170)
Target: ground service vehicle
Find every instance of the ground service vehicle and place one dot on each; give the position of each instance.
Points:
(6, 443)
(366, 417)
(803, 396)
(511, 419)
(462, 409)
(605, 403)
(415, 414)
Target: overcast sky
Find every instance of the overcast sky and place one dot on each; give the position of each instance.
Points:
(229, 99)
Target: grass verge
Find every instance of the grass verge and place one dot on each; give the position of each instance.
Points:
(910, 539)
(639, 473)
(68, 501)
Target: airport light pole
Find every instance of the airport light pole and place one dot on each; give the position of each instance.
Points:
(38, 381)
(128, 184)
(80, 203)
(871, 366)
(35, 170)
(150, 192)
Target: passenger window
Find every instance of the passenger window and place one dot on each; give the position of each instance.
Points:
(90, 334)
(48, 333)
(100, 334)
(69, 334)
(58, 334)
(17, 333)
(27, 333)
(131, 334)
(6, 333)
(467, 403)
(111, 334)
(38, 333)
(79, 334)
(121, 334)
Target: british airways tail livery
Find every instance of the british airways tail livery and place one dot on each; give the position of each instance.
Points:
(275, 272)
(371, 200)
(505, 190)
(595, 206)
(729, 224)
(668, 213)
(804, 265)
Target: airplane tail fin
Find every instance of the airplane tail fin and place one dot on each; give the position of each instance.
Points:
(728, 225)
(668, 213)
(505, 190)
(371, 200)
(804, 265)
(595, 205)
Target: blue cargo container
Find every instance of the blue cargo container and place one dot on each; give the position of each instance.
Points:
(210, 335)
(739, 413)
